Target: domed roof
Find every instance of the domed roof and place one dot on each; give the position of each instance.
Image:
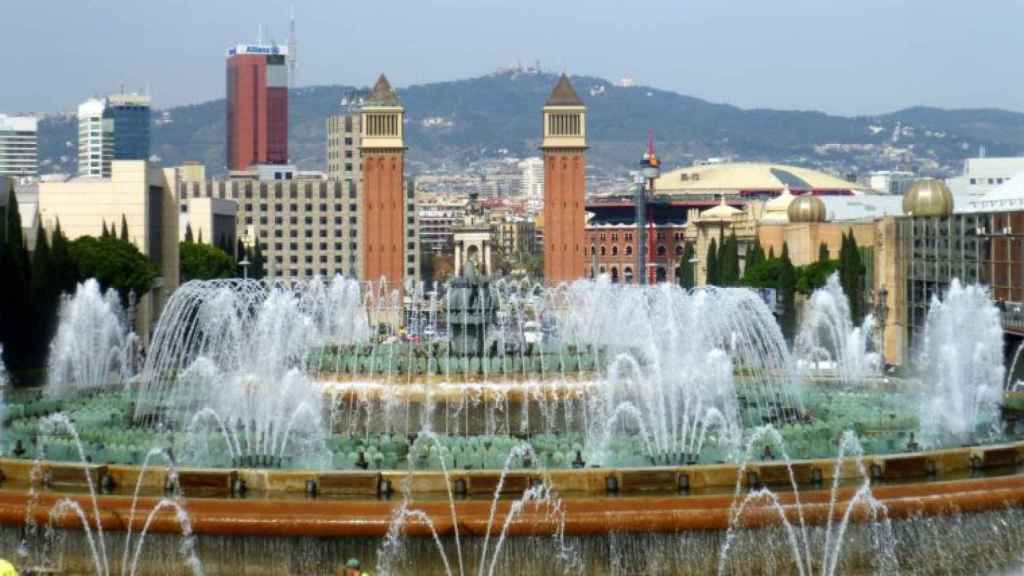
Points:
(928, 197)
(722, 212)
(807, 208)
(775, 209)
(732, 177)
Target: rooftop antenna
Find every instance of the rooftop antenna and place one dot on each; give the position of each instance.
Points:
(292, 43)
(259, 35)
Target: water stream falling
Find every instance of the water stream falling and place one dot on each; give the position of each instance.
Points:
(829, 342)
(93, 348)
(961, 360)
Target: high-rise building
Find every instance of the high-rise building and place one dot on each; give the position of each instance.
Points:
(565, 163)
(113, 128)
(19, 154)
(532, 170)
(95, 139)
(130, 118)
(389, 235)
(257, 106)
(343, 147)
(305, 227)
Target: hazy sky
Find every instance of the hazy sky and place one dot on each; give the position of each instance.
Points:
(839, 56)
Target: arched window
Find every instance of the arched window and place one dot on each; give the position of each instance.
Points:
(662, 275)
(593, 249)
(627, 273)
(615, 274)
(615, 250)
(629, 249)
(662, 250)
(602, 250)
(679, 249)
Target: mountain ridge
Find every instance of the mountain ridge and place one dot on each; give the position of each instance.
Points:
(454, 123)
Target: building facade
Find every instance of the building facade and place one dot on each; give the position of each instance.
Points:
(113, 128)
(305, 228)
(343, 148)
(140, 193)
(19, 148)
(129, 115)
(257, 106)
(565, 164)
(95, 139)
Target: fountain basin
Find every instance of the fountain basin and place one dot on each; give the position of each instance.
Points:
(584, 515)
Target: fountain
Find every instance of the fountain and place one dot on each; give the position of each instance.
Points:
(93, 348)
(511, 417)
(828, 341)
(962, 366)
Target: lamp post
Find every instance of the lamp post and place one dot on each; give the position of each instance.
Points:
(245, 268)
(650, 169)
(882, 310)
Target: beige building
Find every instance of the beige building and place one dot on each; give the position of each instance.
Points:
(343, 144)
(141, 193)
(214, 220)
(304, 227)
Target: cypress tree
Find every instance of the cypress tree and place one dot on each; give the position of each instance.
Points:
(256, 268)
(124, 228)
(15, 292)
(823, 255)
(44, 295)
(754, 255)
(712, 263)
(64, 273)
(105, 233)
(199, 239)
(188, 234)
(241, 253)
(687, 277)
(771, 252)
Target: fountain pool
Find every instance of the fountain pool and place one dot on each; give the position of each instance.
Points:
(478, 418)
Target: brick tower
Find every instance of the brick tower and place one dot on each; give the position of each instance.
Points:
(565, 165)
(382, 154)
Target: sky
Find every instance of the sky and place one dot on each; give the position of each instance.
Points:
(842, 57)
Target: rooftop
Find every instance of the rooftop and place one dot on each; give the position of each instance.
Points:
(563, 94)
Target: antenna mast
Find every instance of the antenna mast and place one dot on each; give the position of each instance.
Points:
(292, 44)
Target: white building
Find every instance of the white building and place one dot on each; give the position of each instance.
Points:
(890, 181)
(19, 149)
(532, 170)
(982, 175)
(95, 139)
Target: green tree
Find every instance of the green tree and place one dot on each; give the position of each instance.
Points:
(204, 262)
(65, 272)
(688, 269)
(814, 276)
(823, 255)
(712, 263)
(754, 255)
(188, 234)
(763, 274)
(199, 238)
(114, 263)
(257, 268)
(729, 262)
(15, 291)
(124, 228)
(105, 233)
(851, 275)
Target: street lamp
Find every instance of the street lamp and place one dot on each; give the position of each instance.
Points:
(650, 169)
(245, 267)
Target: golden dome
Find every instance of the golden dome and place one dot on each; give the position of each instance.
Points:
(807, 208)
(928, 197)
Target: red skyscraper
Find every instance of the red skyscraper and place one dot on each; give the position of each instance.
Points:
(257, 106)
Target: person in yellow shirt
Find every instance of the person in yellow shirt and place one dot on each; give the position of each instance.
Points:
(7, 569)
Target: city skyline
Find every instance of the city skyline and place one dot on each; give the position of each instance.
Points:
(845, 60)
